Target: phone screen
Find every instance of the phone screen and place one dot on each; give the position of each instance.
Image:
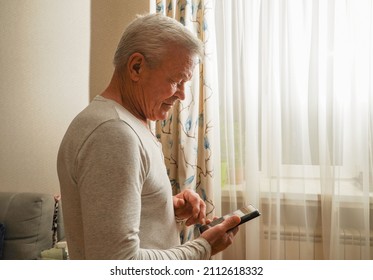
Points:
(246, 213)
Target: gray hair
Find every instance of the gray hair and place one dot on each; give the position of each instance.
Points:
(150, 35)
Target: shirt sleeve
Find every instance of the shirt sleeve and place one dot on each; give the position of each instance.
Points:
(111, 168)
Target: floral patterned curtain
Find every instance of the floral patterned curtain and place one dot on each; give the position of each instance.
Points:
(186, 134)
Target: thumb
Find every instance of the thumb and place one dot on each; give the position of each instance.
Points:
(179, 202)
(231, 222)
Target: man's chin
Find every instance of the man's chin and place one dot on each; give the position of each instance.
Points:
(161, 116)
(165, 116)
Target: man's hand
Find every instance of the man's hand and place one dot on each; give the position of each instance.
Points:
(189, 206)
(221, 235)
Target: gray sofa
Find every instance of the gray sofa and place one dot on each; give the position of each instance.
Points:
(32, 223)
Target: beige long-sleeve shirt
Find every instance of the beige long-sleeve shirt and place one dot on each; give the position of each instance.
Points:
(116, 195)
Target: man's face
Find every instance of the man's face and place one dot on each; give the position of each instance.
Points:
(164, 85)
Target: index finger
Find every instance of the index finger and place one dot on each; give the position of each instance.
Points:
(202, 212)
(195, 201)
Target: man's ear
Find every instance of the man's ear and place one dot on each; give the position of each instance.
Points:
(135, 65)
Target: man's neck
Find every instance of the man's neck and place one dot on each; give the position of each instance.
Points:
(121, 93)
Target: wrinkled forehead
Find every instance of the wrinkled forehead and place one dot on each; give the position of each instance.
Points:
(181, 63)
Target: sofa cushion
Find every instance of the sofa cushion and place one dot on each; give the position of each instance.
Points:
(28, 219)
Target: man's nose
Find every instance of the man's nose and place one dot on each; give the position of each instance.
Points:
(181, 91)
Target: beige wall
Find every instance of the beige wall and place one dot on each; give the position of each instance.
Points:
(49, 69)
(109, 19)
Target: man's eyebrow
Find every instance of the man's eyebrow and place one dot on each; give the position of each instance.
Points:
(181, 76)
(187, 77)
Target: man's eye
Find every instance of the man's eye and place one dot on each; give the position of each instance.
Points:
(177, 83)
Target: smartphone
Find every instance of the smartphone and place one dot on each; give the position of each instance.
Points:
(246, 213)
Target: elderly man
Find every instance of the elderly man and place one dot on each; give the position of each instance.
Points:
(117, 198)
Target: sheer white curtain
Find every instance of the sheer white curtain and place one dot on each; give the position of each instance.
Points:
(295, 85)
